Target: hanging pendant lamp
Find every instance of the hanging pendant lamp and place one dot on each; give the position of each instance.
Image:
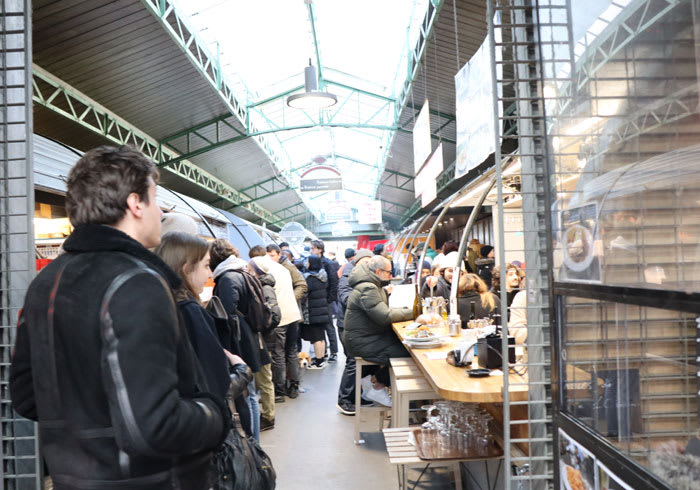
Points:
(312, 98)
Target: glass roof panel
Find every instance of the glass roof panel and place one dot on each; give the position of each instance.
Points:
(362, 47)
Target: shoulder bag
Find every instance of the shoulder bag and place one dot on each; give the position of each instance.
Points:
(242, 464)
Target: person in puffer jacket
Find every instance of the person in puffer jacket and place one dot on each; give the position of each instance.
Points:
(317, 317)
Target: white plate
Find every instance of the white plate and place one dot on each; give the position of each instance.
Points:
(430, 338)
(437, 342)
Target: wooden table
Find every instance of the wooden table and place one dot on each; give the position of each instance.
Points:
(452, 382)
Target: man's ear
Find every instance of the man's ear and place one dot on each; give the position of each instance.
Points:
(134, 205)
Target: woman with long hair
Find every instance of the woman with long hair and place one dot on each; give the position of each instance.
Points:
(472, 289)
(188, 256)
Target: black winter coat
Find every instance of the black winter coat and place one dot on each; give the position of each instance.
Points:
(231, 289)
(114, 384)
(344, 290)
(331, 269)
(317, 297)
(202, 333)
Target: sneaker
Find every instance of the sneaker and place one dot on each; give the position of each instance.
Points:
(333, 358)
(317, 363)
(293, 390)
(266, 424)
(346, 408)
(279, 398)
(369, 392)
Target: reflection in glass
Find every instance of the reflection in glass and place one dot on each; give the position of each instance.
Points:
(623, 126)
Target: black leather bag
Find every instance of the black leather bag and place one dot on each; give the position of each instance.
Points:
(242, 464)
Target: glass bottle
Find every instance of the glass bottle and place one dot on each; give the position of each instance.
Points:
(417, 310)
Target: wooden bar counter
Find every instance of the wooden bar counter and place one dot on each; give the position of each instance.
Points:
(453, 383)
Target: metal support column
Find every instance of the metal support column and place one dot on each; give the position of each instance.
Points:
(20, 461)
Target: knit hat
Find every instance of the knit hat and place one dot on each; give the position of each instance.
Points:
(426, 265)
(378, 249)
(178, 222)
(360, 254)
(349, 253)
(261, 263)
(486, 250)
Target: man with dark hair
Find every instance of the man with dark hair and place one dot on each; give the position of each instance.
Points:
(317, 248)
(257, 251)
(101, 361)
(284, 246)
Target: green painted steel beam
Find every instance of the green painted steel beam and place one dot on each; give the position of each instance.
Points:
(59, 97)
(275, 97)
(396, 204)
(220, 142)
(206, 64)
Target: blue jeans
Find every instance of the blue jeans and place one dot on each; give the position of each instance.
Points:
(254, 410)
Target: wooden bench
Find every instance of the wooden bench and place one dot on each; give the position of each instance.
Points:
(403, 392)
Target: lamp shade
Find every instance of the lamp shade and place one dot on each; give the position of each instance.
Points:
(312, 98)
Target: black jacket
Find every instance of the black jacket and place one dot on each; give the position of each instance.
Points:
(233, 292)
(268, 286)
(331, 269)
(202, 333)
(484, 269)
(111, 376)
(344, 291)
(368, 320)
(442, 288)
(317, 296)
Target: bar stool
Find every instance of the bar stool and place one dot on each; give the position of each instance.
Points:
(403, 392)
(359, 409)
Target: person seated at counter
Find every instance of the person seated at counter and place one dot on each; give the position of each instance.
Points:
(441, 284)
(369, 319)
(514, 276)
(473, 290)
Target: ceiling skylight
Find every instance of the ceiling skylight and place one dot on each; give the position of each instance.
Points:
(360, 49)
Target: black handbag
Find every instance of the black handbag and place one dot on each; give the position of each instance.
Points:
(242, 464)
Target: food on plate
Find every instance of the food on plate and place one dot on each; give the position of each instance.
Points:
(423, 332)
(574, 477)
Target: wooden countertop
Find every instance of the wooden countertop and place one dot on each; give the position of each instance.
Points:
(452, 382)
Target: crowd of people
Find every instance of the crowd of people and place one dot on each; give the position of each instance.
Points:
(134, 379)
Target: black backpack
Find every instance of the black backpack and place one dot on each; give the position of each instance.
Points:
(259, 314)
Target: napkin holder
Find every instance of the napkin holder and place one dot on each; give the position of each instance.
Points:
(489, 352)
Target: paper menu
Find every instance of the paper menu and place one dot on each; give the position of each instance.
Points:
(402, 296)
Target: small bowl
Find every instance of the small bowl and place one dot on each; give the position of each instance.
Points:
(478, 373)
